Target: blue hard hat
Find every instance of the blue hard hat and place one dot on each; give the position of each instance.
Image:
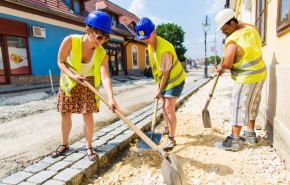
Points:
(100, 20)
(144, 28)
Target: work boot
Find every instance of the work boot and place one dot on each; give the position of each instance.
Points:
(230, 143)
(249, 137)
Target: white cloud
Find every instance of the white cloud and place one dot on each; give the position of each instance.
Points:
(215, 6)
(157, 20)
(138, 7)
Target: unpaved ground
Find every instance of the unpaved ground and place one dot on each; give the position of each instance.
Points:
(30, 131)
(256, 164)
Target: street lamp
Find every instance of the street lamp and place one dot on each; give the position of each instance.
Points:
(205, 27)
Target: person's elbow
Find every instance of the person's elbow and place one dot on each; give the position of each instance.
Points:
(227, 66)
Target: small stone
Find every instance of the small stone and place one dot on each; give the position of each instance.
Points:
(258, 127)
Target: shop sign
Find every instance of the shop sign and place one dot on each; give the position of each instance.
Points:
(113, 45)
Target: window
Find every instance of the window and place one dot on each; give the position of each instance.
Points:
(147, 61)
(77, 8)
(113, 21)
(17, 54)
(135, 57)
(283, 17)
(261, 19)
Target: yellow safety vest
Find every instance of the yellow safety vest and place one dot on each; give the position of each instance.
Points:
(65, 82)
(251, 68)
(176, 74)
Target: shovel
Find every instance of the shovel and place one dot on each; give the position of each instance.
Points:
(171, 169)
(205, 113)
(155, 137)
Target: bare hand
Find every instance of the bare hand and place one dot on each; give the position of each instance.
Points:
(113, 105)
(158, 95)
(221, 71)
(79, 79)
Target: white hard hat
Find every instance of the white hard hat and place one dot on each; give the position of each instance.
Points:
(223, 17)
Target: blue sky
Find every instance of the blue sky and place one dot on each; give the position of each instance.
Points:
(188, 14)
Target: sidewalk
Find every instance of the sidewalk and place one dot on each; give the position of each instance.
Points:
(75, 166)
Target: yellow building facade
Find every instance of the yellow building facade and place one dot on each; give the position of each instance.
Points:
(137, 57)
(273, 20)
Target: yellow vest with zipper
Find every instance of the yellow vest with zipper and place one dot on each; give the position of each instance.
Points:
(251, 68)
(65, 82)
(176, 73)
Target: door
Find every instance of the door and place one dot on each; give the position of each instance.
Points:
(113, 62)
(4, 78)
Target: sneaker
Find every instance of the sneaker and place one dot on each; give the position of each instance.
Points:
(249, 137)
(229, 144)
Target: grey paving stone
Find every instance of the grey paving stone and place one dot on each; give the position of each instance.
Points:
(110, 149)
(99, 143)
(116, 132)
(141, 127)
(41, 177)
(70, 176)
(122, 128)
(120, 142)
(78, 145)
(59, 166)
(99, 134)
(87, 166)
(51, 160)
(74, 157)
(106, 130)
(25, 183)
(17, 177)
(112, 126)
(103, 158)
(54, 182)
(131, 133)
(84, 139)
(107, 137)
(120, 122)
(36, 167)
(70, 151)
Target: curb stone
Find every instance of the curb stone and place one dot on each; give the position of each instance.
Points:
(70, 169)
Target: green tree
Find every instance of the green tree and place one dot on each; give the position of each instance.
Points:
(212, 60)
(175, 35)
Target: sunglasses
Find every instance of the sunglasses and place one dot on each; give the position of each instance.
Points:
(100, 37)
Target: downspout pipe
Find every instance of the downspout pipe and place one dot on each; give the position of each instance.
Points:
(125, 54)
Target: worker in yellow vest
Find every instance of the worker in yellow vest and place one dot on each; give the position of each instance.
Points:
(168, 73)
(243, 57)
(87, 56)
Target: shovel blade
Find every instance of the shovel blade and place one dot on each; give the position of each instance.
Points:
(156, 139)
(206, 119)
(172, 171)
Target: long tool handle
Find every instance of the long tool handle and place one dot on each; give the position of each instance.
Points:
(213, 87)
(154, 118)
(126, 120)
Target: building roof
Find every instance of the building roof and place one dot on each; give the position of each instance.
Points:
(52, 6)
(125, 16)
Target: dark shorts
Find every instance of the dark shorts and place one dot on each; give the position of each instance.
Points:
(175, 92)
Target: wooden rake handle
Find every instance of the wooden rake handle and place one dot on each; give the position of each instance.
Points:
(126, 120)
(213, 87)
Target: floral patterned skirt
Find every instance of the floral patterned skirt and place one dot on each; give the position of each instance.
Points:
(82, 99)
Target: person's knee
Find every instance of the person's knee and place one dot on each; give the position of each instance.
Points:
(169, 109)
(66, 115)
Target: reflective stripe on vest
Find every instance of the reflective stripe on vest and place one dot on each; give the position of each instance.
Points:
(249, 72)
(67, 89)
(246, 65)
(175, 78)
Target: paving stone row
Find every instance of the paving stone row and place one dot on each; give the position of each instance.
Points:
(75, 165)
